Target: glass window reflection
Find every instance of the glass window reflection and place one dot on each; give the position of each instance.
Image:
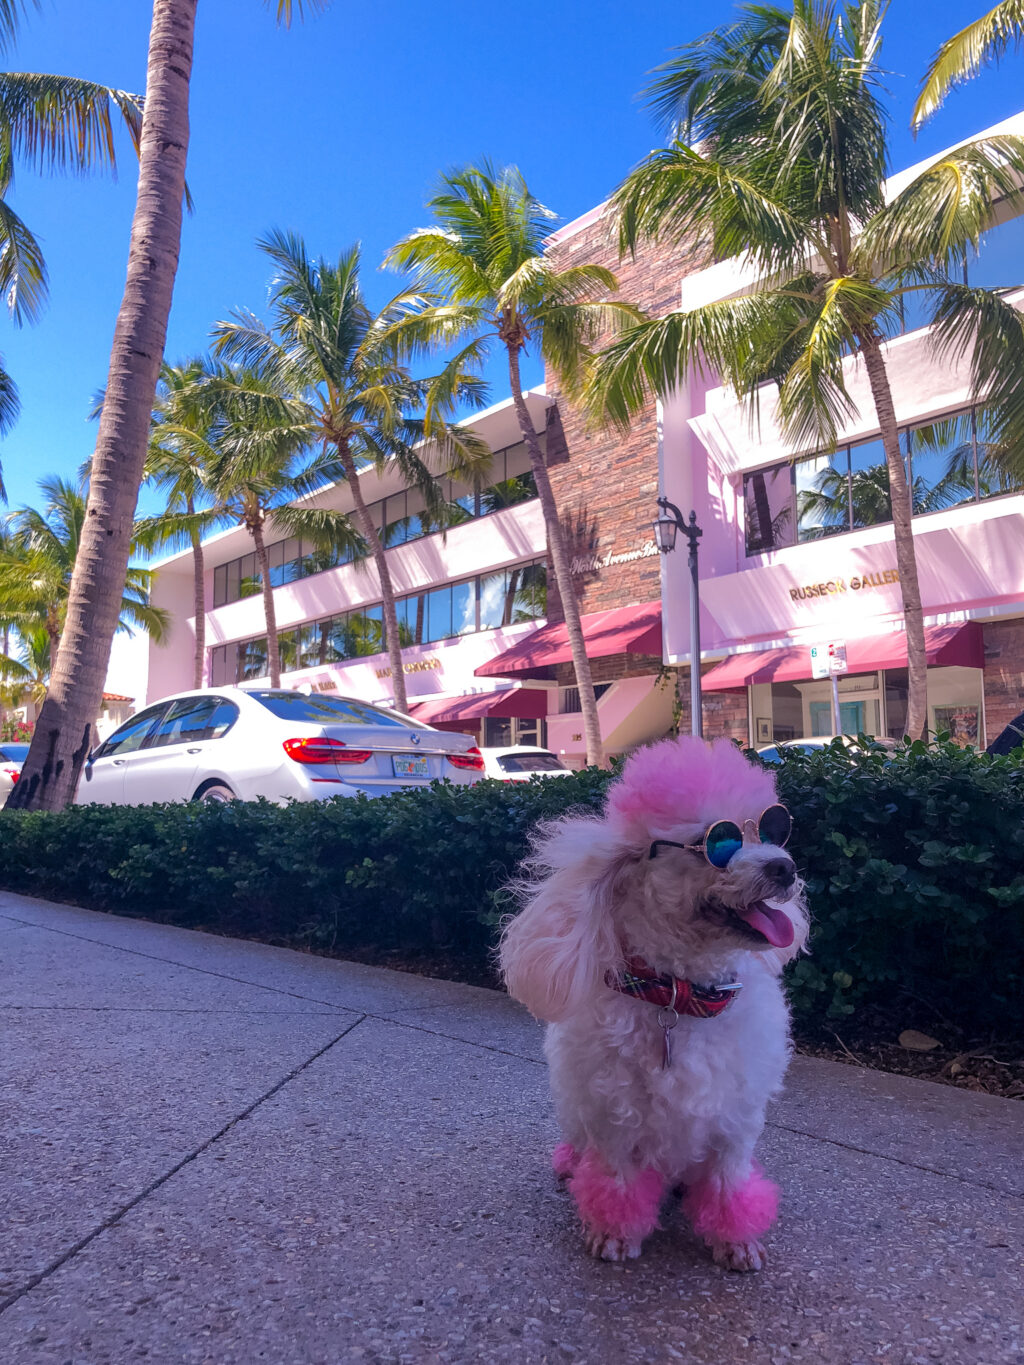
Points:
(822, 496)
(768, 503)
(869, 485)
(942, 463)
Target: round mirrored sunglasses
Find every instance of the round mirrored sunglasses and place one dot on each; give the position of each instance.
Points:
(724, 838)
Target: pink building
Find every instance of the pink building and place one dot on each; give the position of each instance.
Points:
(797, 549)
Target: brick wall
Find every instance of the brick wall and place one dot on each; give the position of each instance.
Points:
(725, 713)
(605, 482)
(1004, 674)
(611, 669)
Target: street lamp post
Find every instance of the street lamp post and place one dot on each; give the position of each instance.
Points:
(665, 528)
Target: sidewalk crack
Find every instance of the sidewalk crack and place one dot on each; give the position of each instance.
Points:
(154, 1185)
(898, 1161)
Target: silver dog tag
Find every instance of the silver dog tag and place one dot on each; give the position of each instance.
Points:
(667, 1020)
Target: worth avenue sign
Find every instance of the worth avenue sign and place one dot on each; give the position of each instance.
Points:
(595, 563)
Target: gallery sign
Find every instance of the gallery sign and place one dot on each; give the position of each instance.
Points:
(834, 586)
(417, 666)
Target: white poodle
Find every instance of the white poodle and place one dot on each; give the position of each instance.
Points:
(652, 939)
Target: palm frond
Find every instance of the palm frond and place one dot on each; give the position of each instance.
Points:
(12, 13)
(321, 526)
(438, 256)
(739, 338)
(10, 407)
(680, 195)
(963, 56)
(174, 530)
(945, 209)
(714, 81)
(22, 268)
(64, 123)
(982, 323)
(813, 399)
(287, 10)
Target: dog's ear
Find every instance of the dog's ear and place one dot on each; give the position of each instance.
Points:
(556, 951)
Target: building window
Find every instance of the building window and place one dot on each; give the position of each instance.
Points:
(503, 732)
(949, 461)
(398, 519)
(995, 265)
(822, 487)
(513, 596)
(569, 702)
(768, 499)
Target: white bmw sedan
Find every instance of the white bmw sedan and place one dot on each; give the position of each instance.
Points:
(228, 743)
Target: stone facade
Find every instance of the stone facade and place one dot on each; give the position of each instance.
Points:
(1004, 679)
(605, 481)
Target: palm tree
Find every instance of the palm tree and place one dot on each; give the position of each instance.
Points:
(257, 463)
(52, 769)
(779, 154)
(179, 465)
(47, 122)
(962, 56)
(485, 258)
(26, 671)
(37, 564)
(326, 346)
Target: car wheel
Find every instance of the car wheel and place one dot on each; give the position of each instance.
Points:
(216, 794)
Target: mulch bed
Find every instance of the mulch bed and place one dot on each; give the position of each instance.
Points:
(991, 1066)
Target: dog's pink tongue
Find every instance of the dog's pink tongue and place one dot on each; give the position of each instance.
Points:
(774, 924)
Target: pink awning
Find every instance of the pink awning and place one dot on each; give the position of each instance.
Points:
(945, 647)
(623, 630)
(525, 703)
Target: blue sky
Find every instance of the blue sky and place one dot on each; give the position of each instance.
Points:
(337, 128)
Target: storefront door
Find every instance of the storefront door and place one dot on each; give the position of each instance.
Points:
(851, 717)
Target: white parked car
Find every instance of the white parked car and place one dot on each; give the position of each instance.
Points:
(223, 743)
(12, 756)
(774, 753)
(521, 762)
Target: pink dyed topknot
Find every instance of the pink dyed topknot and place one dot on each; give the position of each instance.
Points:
(686, 781)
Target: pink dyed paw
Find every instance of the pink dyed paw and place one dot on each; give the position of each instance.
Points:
(617, 1211)
(605, 1247)
(742, 1256)
(564, 1160)
(732, 1215)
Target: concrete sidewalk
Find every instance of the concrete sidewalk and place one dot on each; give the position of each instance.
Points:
(214, 1151)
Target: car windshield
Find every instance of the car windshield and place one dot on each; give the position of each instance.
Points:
(14, 753)
(530, 763)
(330, 710)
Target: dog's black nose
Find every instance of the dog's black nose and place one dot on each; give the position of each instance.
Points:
(781, 871)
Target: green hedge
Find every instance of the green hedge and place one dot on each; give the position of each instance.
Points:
(914, 865)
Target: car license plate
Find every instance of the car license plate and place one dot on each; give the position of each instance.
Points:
(409, 765)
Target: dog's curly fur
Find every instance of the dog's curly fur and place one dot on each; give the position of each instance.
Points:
(592, 897)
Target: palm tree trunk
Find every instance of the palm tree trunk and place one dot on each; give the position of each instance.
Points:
(906, 555)
(369, 533)
(269, 610)
(61, 741)
(560, 562)
(199, 602)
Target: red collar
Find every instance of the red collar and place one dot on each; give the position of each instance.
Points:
(671, 992)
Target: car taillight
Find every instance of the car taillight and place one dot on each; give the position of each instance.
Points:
(12, 773)
(321, 749)
(472, 758)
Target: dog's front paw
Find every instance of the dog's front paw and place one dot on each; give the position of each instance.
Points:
(739, 1255)
(609, 1248)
